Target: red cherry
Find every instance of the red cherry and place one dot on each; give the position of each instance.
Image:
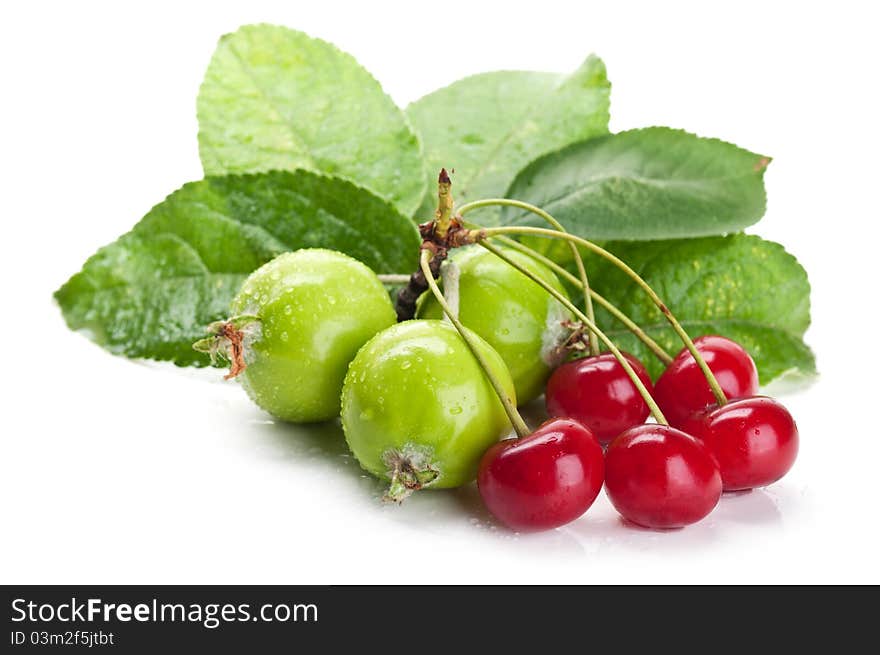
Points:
(683, 390)
(545, 479)
(755, 440)
(660, 477)
(597, 392)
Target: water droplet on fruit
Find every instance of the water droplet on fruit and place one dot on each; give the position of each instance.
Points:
(288, 310)
(285, 336)
(455, 410)
(405, 365)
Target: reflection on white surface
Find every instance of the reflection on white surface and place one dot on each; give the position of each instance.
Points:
(194, 483)
(321, 448)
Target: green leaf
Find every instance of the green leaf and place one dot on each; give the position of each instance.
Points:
(653, 183)
(153, 291)
(489, 126)
(274, 98)
(740, 286)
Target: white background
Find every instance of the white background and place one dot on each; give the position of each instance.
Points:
(122, 472)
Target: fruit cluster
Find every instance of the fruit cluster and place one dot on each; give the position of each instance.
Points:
(424, 401)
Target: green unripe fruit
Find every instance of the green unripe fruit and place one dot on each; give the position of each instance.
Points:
(518, 318)
(314, 309)
(417, 408)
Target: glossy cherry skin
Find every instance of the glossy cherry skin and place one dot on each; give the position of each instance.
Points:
(755, 440)
(597, 392)
(543, 480)
(659, 477)
(683, 390)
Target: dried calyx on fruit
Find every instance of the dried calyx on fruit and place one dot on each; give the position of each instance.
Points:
(298, 322)
(417, 409)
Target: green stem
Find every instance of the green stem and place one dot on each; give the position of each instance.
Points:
(393, 278)
(630, 324)
(445, 204)
(570, 306)
(579, 261)
(509, 405)
(589, 245)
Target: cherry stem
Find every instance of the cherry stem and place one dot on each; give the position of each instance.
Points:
(570, 306)
(507, 402)
(612, 309)
(579, 261)
(483, 233)
(582, 273)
